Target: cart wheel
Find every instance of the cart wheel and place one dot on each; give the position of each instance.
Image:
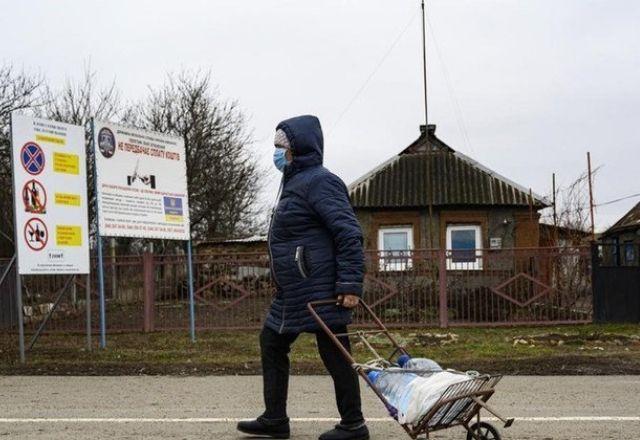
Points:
(485, 430)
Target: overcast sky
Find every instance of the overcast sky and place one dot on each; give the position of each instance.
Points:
(532, 84)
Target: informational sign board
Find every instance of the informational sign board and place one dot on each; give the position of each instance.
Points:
(50, 196)
(141, 180)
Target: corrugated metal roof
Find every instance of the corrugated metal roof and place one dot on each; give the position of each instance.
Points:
(630, 220)
(251, 239)
(433, 173)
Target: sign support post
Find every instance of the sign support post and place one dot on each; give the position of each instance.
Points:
(56, 303)
(192, 311)
(20, 317)
(103, 324)
(88, 307)
(18, 277)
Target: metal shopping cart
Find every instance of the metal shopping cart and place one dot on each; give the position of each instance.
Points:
(459, 405)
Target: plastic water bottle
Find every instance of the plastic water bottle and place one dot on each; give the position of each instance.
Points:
(412, 395)
(409, 363)
(395, 387)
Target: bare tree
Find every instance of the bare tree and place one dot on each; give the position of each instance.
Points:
(223, 175)
(570, 268)
(18, 91)
(572, 210)
(76, 102)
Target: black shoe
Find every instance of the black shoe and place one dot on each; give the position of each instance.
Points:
(347, 432)
(261, 427)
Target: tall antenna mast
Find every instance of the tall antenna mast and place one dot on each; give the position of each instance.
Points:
(424, 65)
(426, 121)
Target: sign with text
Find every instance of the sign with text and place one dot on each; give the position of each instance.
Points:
(50, 196)
(142, 183)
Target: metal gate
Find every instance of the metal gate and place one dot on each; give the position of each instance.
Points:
(8, 309)
(616, 282)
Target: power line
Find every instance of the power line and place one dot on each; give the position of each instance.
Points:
(373, 72)
(457, 109)
(618, 200)
(609, 202)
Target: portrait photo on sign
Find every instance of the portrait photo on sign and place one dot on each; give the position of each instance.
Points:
(106, 142)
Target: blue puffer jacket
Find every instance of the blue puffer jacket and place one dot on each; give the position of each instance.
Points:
(315, 240)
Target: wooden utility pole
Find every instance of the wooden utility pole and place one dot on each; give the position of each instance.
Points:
(593, 225)
(555, 211)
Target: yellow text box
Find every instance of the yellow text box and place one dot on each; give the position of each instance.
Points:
(50, 139)
(173, 218)
(66, 163)
(67, 199)
(68, 235)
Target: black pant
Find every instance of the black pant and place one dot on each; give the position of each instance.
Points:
(275, 350)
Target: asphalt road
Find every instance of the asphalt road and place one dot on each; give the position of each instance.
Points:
(158, 407)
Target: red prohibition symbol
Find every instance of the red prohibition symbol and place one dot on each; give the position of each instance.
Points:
(34, 197)
(32, 158)
(36, 234)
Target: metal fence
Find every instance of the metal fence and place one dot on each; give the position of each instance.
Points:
(8, 312)
(616, 282)
(232, 291)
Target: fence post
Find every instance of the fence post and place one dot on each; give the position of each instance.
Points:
(597, 315)
(442, 277)
(149, 291)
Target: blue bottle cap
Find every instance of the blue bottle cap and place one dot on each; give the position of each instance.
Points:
(373, 375)
(402, 360)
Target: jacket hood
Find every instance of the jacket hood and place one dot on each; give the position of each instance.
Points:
(305, 135)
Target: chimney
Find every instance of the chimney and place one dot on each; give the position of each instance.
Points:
(431, 127)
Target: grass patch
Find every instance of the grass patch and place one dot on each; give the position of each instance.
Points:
(589, 349)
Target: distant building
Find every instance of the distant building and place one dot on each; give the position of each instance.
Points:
(562, 236)
(623, 240)
(242, 258)
(254, 243)
(616, 271)
(431, 196)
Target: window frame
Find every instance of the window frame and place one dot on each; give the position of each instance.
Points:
(477, 265)
(616, 252)
(407, 262)
(628, 250)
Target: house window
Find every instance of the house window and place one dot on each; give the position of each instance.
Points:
(395, 245)
(629, 253)
(615, 252)
(464, 245)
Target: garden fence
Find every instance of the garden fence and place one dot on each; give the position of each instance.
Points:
(420, 288)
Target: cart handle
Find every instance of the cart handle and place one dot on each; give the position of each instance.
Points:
(313, 304)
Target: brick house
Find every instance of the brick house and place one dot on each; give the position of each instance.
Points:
(430, 196)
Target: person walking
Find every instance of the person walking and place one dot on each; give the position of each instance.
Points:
(316, 253)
